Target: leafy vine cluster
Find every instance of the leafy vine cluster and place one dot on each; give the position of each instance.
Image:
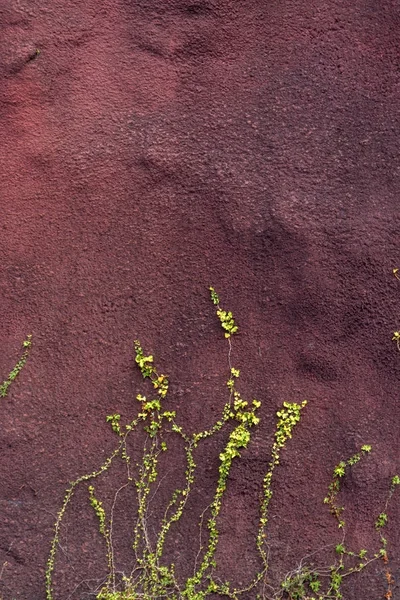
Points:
(153, 576)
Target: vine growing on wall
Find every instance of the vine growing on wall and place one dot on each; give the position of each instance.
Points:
(4, 387)
(152, 575)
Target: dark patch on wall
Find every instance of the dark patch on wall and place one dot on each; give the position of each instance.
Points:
(317, 368)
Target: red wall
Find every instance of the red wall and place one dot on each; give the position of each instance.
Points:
(151, 149)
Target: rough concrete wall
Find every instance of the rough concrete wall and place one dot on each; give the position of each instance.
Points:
(155, 147)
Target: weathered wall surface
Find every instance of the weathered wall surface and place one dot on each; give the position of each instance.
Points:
(151, 149)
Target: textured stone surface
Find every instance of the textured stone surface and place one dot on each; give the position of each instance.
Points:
(155, 147)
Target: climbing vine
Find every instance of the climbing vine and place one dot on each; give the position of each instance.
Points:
(152, 575)
(4, 387)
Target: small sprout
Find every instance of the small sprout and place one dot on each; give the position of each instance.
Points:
(340, 469)
(114, 420)
(214, 296)
(396, 338)
(315, 585)
(28, 342)
(366, 448)
(381, 520)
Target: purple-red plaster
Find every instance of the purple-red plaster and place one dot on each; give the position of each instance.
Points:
(155, 147)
